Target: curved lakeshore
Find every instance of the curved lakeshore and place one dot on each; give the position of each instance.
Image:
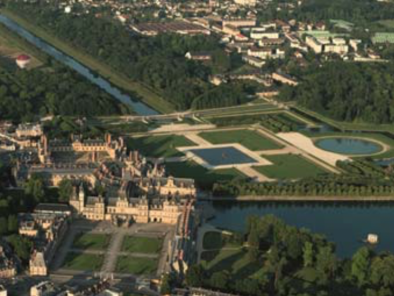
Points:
(345, 224)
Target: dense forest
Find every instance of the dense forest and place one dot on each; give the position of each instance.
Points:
(348, 91)
(296, 262)
(52, 91)
(357, 11)
(158, 62)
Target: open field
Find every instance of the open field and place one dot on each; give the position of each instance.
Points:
(139, 244)
(203, 177)
(146, 94)
(91, 241)
(247, 138)
(159, 146)
(11, 46)
(289, 166)
(136, 265)
(85, 262)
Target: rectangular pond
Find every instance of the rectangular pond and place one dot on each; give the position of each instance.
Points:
(219, 156)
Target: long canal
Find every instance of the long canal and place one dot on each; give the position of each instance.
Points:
(138, 107)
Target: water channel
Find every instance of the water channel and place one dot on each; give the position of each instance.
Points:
(138, 107)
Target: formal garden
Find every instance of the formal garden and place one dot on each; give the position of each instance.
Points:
(83, 261)
(289, 166)
(140, 244)
(91, 241)
(248, 138)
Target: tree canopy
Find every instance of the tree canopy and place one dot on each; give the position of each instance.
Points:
(348, 91)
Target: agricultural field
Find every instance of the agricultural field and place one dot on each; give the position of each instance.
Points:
(136, 265)
(204, 178)
(247, 138)
(139, 244)
(91, 241)
(289, 167)
(159, 146)
(85, 262)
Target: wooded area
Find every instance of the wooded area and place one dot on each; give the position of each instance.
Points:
(347, 91)
(158, 62)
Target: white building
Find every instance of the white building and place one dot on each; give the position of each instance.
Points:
(260, 33)
(266, 53)
(246, 2)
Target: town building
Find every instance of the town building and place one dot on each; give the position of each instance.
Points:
(284, 78)
(3, 291)
(178, 27)
(29, 130)
(198, 56)
(46, 230)
(265, 53)
(7, 264)
(246, 2)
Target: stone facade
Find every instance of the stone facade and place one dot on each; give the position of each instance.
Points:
(143, 209)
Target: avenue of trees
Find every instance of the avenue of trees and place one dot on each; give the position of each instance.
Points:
(157, 62)
(55, 91)
(324, 185)
(296, 262)
(348, 91)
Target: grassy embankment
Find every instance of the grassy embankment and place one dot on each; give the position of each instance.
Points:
(355, 126)
(147, 95)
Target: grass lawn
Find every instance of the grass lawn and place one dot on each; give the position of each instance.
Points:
(234, 261)
(212, 240)
(139, 244)
(136, 265)
(91, 241)
(159, 146)
(247, 138)
(87, 262)
(289, 166)
(145, 93)
(203, 177)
